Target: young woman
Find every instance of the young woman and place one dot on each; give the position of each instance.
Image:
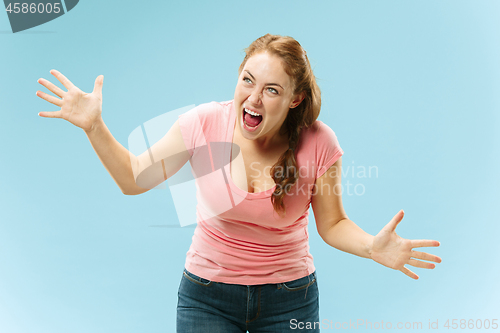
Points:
(249, 266)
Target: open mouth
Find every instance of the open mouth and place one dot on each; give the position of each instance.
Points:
(251, 119)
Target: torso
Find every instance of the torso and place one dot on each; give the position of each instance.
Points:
(250, 170)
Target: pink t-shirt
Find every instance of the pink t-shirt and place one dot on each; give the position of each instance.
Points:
(239, 238)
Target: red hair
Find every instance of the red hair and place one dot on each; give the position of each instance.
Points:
(296, 65)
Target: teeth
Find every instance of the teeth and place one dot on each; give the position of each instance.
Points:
(252, 113)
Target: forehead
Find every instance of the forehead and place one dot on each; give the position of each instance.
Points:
(267, 68)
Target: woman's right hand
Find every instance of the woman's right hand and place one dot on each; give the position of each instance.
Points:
(79, 108)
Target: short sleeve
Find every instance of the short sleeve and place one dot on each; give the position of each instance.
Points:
(191, 125)
(328, 149)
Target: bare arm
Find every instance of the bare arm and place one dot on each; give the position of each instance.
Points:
(387, 248)
(332, 222)
(133, 175)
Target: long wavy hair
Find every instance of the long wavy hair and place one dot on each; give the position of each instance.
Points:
(297, 66)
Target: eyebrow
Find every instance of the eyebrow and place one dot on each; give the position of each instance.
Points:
(267, 84)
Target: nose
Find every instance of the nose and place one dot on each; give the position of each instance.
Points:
(255, 97)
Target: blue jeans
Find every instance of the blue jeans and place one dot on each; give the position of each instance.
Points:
(213, 307)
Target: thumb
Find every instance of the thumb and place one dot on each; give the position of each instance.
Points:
(391, 226)
(98, 85)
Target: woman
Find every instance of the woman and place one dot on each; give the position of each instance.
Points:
(249, 266)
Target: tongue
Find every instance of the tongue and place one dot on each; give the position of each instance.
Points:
(252, 120)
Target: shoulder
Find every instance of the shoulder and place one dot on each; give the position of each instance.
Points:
(207, 113)
(319, 133)
(320, 143)
(211, 109)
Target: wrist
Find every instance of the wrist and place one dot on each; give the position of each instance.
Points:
(96, 125)
(369, 247)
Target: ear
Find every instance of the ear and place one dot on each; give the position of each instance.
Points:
(297, 100)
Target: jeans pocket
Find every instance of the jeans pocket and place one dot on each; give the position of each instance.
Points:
(301, 283)
(196, 279)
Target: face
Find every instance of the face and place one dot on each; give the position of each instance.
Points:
(263, 97)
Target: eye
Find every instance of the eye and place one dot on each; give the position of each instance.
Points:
(247, 80)
(273, 91)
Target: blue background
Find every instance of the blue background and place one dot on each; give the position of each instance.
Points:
(410, 87)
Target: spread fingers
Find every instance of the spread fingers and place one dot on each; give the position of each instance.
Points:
(63, 79)
(425, 256)
(52, 87)
(49, 98)
(421, 264)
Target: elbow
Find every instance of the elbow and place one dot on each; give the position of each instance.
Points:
(325, 228)
(133, 187)
(324, 234)
(128, 191)
(125, 192)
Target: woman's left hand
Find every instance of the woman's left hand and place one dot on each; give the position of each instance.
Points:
(390, 250)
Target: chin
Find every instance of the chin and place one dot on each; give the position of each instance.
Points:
(247, 132)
